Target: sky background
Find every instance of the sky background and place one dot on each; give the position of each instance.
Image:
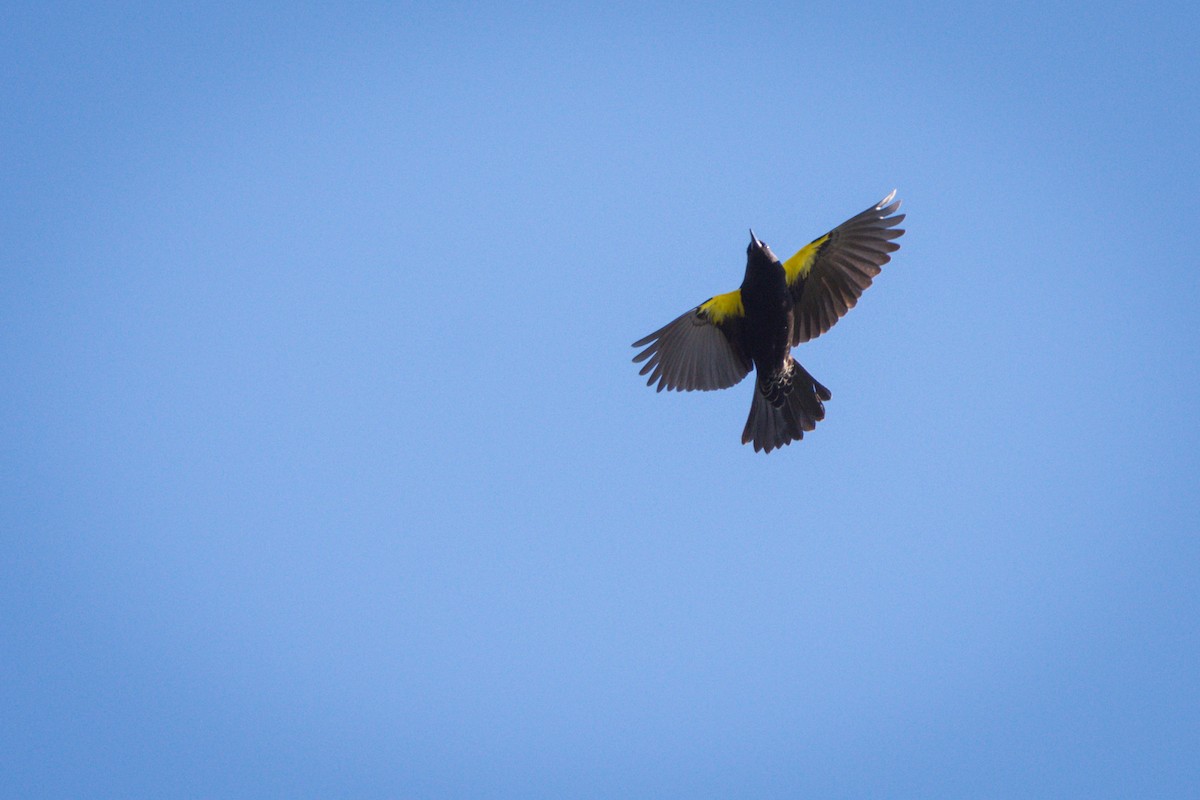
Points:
(325, 470)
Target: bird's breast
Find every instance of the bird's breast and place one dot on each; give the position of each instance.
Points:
(768, 321)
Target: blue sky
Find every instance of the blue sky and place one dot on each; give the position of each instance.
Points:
(326, 472)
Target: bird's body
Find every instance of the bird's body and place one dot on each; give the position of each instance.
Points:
(768, 310)
(778, 305)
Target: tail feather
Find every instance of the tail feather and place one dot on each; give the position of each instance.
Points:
(785, 405)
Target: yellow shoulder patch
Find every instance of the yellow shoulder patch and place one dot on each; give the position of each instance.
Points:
(798, 265)
(723, 306)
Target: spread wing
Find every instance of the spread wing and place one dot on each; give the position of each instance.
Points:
(827, 276)
(699, 350)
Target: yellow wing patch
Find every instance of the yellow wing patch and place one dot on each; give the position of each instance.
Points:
(798, 265)
(723, 306)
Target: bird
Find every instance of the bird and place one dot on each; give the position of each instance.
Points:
(779, 305)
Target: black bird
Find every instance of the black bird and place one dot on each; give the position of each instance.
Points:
(779, 305)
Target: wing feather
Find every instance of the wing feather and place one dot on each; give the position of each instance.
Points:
(694, 352)
(827, 276)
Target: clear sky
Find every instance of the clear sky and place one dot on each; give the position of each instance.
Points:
(325, 470)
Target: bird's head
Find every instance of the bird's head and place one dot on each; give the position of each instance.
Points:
(759, 249)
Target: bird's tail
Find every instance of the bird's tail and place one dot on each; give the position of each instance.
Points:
(786, 404)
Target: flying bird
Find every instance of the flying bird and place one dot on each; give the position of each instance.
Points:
(779, 305)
